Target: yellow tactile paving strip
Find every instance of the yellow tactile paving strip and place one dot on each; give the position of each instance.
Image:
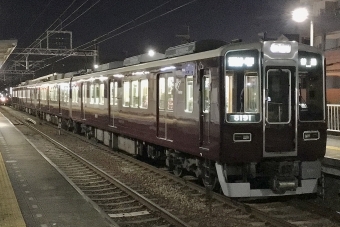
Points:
(333, 148)
(10, 214)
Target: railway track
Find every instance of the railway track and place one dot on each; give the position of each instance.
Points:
(160, 187)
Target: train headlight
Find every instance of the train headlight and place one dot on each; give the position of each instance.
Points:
(311, 135)
(3, 99)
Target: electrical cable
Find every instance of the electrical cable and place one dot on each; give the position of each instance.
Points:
(145, 22)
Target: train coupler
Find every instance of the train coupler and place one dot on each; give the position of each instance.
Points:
(282, 184)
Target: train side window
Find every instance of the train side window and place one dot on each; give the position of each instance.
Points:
(114, 93)
(206, 93)
(134, 93)
(189, 93)
(144, 86)
(75, 94)
(52, 93)
(101, 94)
(161, 93)
(126, 98)
(84, 87)
(228, 92)
(92, 94)
(170, 96)
(166, 92)
(67, 90)
(97, 93)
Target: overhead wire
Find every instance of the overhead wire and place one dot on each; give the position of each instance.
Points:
(82, 13)
(145, 22)
(132, 21)
(36, 42)
(36, 19)
(55, 21)
(71, 22)
(39, 39)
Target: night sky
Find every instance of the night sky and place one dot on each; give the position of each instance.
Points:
(136, 25)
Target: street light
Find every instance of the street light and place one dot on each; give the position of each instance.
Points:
(300, 15)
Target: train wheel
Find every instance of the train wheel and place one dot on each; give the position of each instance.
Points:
(178, 171)
(75, 128)
(211, 183)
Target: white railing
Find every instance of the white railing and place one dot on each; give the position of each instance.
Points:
(333, 115)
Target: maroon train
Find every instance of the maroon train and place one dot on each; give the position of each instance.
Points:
(250, 117)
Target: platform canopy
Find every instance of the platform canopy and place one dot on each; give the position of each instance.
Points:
(6, 48)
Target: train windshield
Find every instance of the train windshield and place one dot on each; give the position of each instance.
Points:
(311, 87)
(242, 87)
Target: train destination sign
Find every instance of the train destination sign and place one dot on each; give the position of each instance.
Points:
(241, 61)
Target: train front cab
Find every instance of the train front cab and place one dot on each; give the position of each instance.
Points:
(274, 131)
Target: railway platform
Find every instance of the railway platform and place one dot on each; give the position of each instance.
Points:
(32, 192)
(331, 162)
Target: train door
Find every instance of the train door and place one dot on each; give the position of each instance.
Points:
(280, 116)
(165, 95)
(205, 92)
(113, 101)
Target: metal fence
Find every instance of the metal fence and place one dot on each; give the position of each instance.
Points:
(333, 117)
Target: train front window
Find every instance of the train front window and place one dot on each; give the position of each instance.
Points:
(241, 92)
(311, 87)
(242, 87)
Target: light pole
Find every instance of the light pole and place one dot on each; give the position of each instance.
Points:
(300, 15)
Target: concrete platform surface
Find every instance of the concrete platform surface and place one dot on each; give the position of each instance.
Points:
(44, 197)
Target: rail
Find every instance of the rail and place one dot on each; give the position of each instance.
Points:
(333, 117)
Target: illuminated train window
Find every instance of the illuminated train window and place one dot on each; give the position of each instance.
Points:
(75, 94)
(114, 93)
(134, 93)
(126, 96)
(206, 93)
(92, 93)
(144, 86)
(161, 87)
(242, 87)
(97, 93)
(242, 96)
(166, 92)
(189, 93)
(170, 90)
(84, 87)
(101, 94)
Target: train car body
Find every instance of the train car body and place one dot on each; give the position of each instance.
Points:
(250, 117)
